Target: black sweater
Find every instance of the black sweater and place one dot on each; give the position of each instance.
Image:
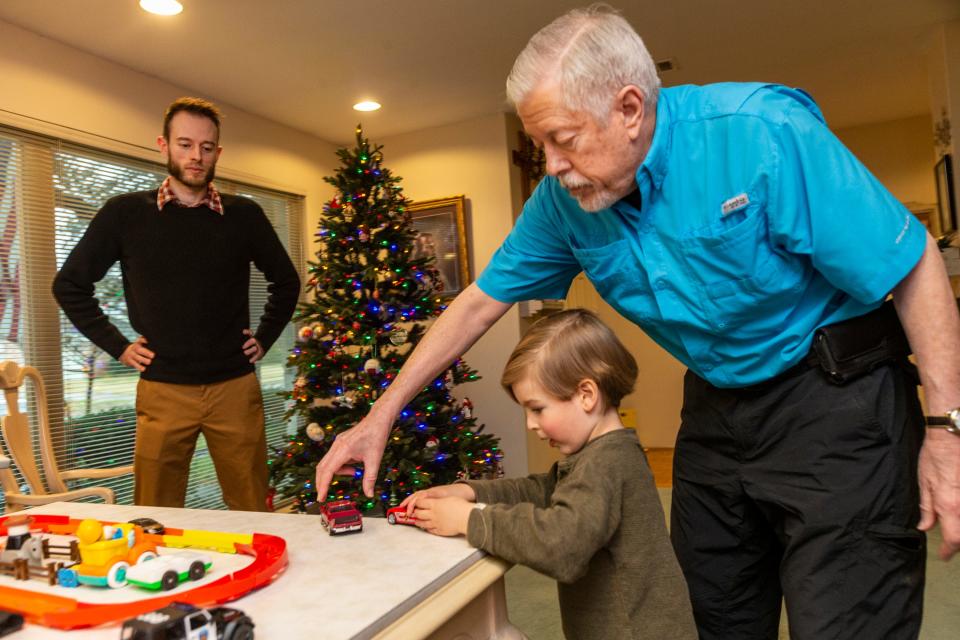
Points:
(186, 278)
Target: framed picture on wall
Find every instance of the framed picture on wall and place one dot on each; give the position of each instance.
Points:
(946, 199)
(441, 233)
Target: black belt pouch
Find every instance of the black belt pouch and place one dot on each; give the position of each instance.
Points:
(849, 349)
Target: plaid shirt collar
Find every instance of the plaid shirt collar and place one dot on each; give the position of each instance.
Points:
(212, 199)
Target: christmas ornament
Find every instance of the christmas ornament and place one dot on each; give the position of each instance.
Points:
(398, 336)
(372, 367)
(315, 432)
(466, 408)
(432, 442)
(305, 333)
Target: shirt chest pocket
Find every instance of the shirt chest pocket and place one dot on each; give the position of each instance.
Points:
(618, 276)
(740, 273)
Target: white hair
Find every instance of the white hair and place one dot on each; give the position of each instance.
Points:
(593, 52)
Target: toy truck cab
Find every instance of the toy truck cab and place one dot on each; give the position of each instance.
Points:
(182, 621)
(341, 516)
(106, 552)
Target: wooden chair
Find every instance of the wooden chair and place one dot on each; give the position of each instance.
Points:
(17, 440)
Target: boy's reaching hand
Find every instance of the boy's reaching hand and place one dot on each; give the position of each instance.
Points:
(443, 516)
(459, 490)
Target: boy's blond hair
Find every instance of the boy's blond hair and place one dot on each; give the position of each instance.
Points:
(563, 349)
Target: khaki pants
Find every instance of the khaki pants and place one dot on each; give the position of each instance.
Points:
(170, 417)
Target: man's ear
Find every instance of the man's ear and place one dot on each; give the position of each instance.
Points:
(162, 144)
(631, 108)
(588, 394)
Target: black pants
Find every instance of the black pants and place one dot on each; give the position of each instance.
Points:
(801, 489)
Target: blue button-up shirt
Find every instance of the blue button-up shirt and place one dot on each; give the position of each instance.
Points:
(757, 226)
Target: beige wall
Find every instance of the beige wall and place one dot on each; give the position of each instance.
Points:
(899, 153)
(51, 88)
(472, 158)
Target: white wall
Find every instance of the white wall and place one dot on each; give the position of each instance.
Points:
(52, 88)
(472, 158)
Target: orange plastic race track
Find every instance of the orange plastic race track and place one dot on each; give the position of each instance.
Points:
(270, 559)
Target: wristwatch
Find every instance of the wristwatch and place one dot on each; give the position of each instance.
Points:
(949, 421)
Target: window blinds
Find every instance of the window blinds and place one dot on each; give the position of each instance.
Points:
(49, 192)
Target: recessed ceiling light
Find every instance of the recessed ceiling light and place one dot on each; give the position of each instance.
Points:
(162, 7)
(367, 105)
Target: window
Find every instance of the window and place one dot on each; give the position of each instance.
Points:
(49, 192)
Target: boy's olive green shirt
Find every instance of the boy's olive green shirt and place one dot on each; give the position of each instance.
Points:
(594, 523)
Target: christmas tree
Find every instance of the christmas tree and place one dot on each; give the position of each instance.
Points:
(371, 303)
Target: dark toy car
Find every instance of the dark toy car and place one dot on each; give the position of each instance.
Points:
(10, 622)
(149, 525)
(182, 621)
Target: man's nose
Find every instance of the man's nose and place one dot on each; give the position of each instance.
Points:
(556, 163)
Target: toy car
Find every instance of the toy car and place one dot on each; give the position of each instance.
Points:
(149, 525)
(399, 514)
(182, 621)
(10, 622)
(341, 516)
(167, 571)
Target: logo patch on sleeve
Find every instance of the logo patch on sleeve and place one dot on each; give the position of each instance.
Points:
(735, 203)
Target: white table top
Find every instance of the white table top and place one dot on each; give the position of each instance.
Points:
(350, 587)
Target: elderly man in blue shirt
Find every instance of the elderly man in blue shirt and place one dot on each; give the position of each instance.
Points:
(741, 235)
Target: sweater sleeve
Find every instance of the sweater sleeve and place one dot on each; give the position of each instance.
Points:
(87, 264)
(534, 488)
(283, 282)
(560, 539)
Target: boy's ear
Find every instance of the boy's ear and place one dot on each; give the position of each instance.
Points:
(588, 394)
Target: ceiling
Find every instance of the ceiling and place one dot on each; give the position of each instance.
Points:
(303, 63)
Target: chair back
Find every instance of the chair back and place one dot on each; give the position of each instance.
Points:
(17, 437)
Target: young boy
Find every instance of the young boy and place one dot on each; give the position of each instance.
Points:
(594, 521)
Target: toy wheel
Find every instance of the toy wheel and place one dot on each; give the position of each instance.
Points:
(197, 570)
(392, 518)
(146, 555)
(243, 631)
(117, 575)
(169, 580)
(67, 578)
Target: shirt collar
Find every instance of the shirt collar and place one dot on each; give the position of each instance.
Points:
(212, 199)
(653, 170)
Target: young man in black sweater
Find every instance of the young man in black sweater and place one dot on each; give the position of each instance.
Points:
(185, 252)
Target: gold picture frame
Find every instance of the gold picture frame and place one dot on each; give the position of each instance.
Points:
(441, 232)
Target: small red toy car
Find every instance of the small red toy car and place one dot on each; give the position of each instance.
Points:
(399, 514)
(341, 516)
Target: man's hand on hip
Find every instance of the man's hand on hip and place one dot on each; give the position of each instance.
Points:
(939, 476)
(252, 347)
(137, 355)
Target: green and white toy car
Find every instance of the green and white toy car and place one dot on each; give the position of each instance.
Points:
(167, 571)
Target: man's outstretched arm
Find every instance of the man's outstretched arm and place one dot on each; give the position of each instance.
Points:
(466, 319)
